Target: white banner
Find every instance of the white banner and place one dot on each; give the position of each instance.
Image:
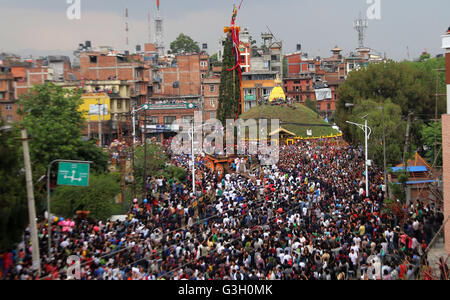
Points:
(96, 110)
(323, 94)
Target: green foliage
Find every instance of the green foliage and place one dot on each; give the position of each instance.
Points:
(55, 125)
(285, 66)
(311, 104)
(399, 190)
(229, 92)
(410, 85)
(431, 136)
(291, 119)
(176, 173)
(156, 162)
(215, 58)
(395, 129)
(98, 198)
(13, 198)
(184, 44)
(424, 57)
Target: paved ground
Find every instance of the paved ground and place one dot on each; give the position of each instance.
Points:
(435, 254)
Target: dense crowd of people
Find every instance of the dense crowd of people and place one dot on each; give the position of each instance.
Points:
(306, 218)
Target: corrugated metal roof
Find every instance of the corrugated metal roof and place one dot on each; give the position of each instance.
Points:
(411, 169)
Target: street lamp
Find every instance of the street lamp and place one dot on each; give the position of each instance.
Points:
(367, 132)
(191, 135)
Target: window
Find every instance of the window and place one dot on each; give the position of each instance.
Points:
(187, 119)
(8, 107)
(212, 115)
(212, 88)
(203, 64)
(9, 118)
(2, 95)
(213, 103)
(318, 107)
(153, 120)
(93, 59)
(119, 104)
(203, 76)
(168, 120)
(329, 106)
(296, 81)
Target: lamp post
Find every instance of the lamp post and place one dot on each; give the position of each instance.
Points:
(191, 134)
(367, 132)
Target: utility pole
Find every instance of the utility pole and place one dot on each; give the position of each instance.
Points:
(31, 204)
(89, 126)
(367, 132)
(99, 125)
(367, 159)
(384, 154)
(193, 160)
(408, 126)
(144, 188)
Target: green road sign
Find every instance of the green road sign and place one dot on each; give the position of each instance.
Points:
(73, 174)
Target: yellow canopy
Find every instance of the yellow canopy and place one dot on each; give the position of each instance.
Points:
(277, 92)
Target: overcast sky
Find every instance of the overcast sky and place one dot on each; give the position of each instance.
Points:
(41, 27)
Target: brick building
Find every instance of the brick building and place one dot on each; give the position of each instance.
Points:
(318, 79)
(184, 76)
(110, 65)
(184, 90)
(8, 105)
(17, 78)
(211, 88)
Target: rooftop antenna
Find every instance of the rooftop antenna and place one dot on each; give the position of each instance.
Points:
(272, 33)
(159, 34)
(361, 26)
(127, 29)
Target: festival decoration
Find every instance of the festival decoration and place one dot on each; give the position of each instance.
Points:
(234, 30)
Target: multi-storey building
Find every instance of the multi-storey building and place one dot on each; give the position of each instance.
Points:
(257, 87)
(181, 94)
(110, 66)
(211, 88)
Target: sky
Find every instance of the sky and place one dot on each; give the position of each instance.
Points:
(41, 27)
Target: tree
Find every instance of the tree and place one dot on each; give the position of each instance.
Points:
(311, 104)
(13, 197)
(184, 44)
(97, 198)
(394, 126)
(55, 125)
(431, 136)
(156, 163)
(229, 91)
(411, 86)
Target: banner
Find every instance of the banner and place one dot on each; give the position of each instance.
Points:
(322, 94)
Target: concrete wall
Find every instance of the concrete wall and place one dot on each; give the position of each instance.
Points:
(446, 175)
